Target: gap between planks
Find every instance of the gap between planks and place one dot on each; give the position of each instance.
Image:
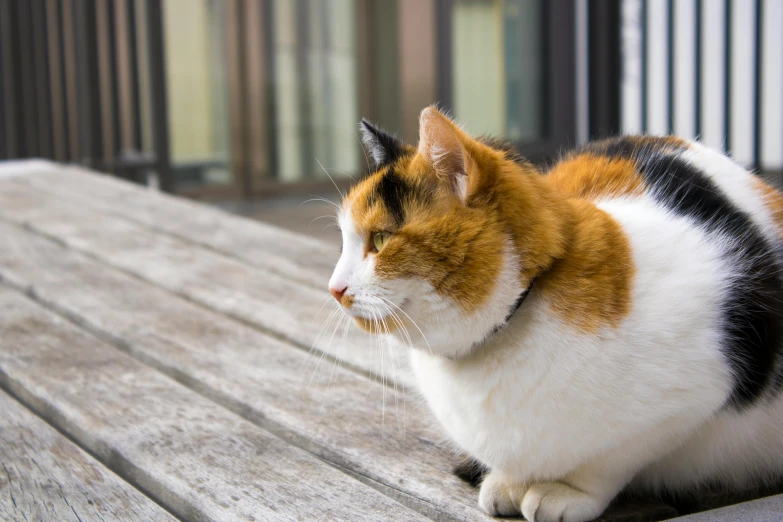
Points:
(85, 230)
(102, 481)
(225, 401)
(99, 259)
(160, 212)
(128, 440)
(448, 489)
(414, 453)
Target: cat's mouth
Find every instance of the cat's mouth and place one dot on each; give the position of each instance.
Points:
(389, 323)
(377, 326)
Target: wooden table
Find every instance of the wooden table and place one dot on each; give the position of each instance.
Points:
(161, 360)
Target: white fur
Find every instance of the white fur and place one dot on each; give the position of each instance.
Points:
(566, 420)
(735, 181)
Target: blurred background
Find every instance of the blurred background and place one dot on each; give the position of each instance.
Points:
(249, 103)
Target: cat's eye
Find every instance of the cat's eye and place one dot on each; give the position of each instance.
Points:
(379, 239)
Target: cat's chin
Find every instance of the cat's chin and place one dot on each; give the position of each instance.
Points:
(375, 326)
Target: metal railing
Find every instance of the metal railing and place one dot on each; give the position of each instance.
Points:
(83, 81)
(673, 100)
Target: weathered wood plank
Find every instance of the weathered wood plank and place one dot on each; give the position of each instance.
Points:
(291, 310)
(26, 168)
(277, 250)
(335, 414)
(196, 458)
(325, 409)
(45, 476)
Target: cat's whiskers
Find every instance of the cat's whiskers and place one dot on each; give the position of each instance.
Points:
(313, 347)
(412, 322)
(383, 375)
(395, 318)
(338, 355)
(342, 196)
(320, 199)
(326, 348)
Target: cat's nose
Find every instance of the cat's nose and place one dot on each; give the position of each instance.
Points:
(338, 294)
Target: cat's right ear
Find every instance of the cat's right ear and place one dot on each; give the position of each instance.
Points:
(382, 146)
(441, 144)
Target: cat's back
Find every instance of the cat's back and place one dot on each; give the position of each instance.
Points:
(681, 175)
(659, 188)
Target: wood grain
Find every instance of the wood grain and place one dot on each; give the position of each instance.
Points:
(194, 457)
(290, 310)
(379, 434)
(331, 412)
(279, 251)
(45, 476)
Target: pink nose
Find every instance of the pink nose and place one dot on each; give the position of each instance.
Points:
(338, 294)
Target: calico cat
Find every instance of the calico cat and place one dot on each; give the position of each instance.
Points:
(612, 323)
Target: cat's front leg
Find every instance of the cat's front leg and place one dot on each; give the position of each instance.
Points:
(542, 502)
(501, 496)
(584, 493)
(559, 502)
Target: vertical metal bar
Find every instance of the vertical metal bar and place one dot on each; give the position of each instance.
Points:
(561, 72)
(645, 36)
(62, 80)
(160, 129)
(125, 77)
(670, 64)
(604, 70)
(727, 71)
(237, 88)
(27, 101)
(135, 78)
(91, 140)
(41, 74)
(757, 79)
(12, 80)
(258, 152)
(444, 57)
(271, 83)
(697, 87)
(69, 60)
(56, 85)
(103, 35)
(546, 94)
(305, 101)
(3, 152)
(114, 88)
(6, 85)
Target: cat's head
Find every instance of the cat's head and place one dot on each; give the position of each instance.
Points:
(428, 253)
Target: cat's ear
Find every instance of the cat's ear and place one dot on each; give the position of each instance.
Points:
(382, 146)
(441, 144)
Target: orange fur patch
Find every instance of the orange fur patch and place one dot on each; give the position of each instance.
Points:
(590, 286)
(773, 200)
(578, 253)
(592, 177)
(376, 327)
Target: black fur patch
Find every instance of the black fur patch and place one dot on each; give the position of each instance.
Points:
(471, 471)
(384, 148)
(393, 190)
(754, 308)
(507, 147)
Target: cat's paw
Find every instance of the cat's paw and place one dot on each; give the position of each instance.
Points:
(557, 502)
(500, 497)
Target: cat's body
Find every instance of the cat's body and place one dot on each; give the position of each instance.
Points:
(647, 347)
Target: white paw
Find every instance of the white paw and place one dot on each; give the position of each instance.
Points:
(557, 502)
(499, 497)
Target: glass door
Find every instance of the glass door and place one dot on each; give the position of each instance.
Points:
(507, 69)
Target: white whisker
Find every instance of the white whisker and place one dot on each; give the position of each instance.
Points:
(412, 321)
(330, 178)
